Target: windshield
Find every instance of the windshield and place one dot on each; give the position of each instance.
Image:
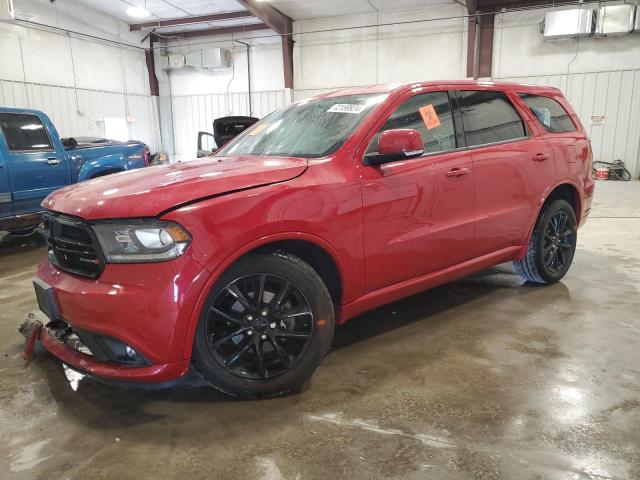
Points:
(308, 129)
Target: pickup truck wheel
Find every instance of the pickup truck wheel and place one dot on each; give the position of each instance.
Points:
(266, 326)
(552, 245)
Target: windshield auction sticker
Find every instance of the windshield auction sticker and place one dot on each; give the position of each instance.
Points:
(347, 108)
(258, 129)
(429, 116)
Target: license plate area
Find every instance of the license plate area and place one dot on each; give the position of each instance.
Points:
(46, 299)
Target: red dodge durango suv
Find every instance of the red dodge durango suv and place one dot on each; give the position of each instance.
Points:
(241, 264)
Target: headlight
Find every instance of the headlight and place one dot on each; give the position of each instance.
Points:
(141, 241)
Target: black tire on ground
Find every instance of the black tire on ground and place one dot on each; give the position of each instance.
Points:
(623, 174)
(552, 246)
(266, 325)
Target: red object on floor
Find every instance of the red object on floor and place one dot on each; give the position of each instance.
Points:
(31, 342)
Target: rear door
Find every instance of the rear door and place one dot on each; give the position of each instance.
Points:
(36, 163)
(417, 213)
(512, 170)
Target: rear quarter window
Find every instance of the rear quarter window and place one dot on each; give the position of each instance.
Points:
(551, 115)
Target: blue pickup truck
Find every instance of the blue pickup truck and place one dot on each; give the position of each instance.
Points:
(35, 161)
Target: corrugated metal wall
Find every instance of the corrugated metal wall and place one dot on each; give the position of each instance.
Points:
(196, 113)
(311, 92)
(614, 94)
(59, 103)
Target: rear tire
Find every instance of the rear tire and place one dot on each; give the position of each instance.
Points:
(266, 325)
(552, 245)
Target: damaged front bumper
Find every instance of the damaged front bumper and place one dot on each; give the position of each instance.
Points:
(86, 352)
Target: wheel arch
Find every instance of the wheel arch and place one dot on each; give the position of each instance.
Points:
(565, 191)
(309, 248)
(108, 171)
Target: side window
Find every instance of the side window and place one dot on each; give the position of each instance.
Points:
(553, 117)
(428, 113)
(489, 117)
(24, 133)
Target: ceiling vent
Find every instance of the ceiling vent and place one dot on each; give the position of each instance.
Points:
(565, 24)
(615, 20)
(207, 59)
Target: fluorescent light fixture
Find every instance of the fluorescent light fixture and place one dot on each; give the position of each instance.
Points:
(137, 12)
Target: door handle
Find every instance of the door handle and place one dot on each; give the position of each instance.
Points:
(52, 161)
(540, 157)
(458, 172)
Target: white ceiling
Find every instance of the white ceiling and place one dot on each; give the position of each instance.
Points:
(305, 9)
(163, 9)
(296, 9)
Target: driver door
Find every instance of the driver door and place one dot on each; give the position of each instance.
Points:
(418, 213)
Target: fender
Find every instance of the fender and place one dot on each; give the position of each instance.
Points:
(565, 181)
(93, 167)
(231, 258)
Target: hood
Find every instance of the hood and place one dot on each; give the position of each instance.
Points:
(147, 192)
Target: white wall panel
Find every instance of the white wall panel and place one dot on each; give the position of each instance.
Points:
(196, 113)
(266, 70)
(614, 94)
(85, 118)
(519, 50)
(13, 94)
(301, 94)
(427, 44)
(76, 81)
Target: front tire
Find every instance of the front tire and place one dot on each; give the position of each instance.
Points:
(552, 246)
(266, 325)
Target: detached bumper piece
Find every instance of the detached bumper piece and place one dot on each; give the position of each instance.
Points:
(96, 354)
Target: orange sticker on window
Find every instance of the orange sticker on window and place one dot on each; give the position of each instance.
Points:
(429, 116)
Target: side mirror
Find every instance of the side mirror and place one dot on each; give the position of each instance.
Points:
(397, 144)
(206, 144)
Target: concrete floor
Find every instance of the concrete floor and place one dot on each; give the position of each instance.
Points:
(483, 378)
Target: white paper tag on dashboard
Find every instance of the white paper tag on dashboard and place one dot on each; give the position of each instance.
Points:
(347, 108)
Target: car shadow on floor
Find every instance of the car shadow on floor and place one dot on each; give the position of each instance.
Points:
(10, 245)
(429, 304)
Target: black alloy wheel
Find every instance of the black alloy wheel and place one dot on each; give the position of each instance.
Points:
(558, 242)
(259, 326)
(265, 327)
(552, 245)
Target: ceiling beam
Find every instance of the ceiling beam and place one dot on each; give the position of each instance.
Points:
(472, 6)
(282, 25)
(480, 28)
(218, 31)
(191, 20)
(497, 5)
(277, 21)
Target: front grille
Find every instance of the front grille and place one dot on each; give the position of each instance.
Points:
(71, 245)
